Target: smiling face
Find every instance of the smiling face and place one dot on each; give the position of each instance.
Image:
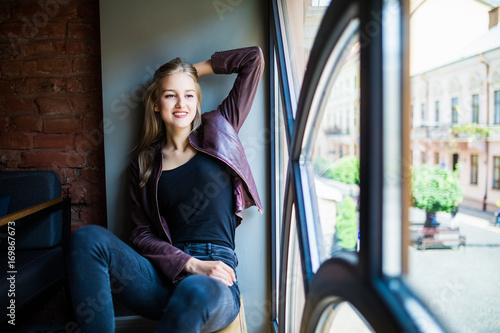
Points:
(177, 101)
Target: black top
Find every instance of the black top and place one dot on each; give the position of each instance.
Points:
(196, 199)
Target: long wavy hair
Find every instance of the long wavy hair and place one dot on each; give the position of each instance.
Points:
(153, 129)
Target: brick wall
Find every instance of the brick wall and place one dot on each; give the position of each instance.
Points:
(51, 99)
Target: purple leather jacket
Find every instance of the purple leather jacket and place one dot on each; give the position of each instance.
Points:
(218, 137)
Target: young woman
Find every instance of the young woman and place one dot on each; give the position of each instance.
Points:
(189, 184)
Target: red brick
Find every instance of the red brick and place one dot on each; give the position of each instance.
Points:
(87, 142)
(9, 50)
(86, 105)
(81, 30)
(4, 14)
(95, 158)
(68, 176)
(92, 83)
(16, 141)
(89, 11)
(14, 30)
(53, 30)
(78, 192)
(92, 123)
(11, 69)
(51, 106)
(95, 47)
(59, 46)
(94, 176)
(26, 123)
(75, 85)
(69, 12)
(36, 47)
(29, 68)
(54, 65)
(86, 65)
(51, 159)
(14, 104)
(7, 87)
(76, 47)
(41, 85)
(10, 158)
(4, 124)
(62, 141)
(93, 215)
(95, 195)
(27, 12)
(61, 126)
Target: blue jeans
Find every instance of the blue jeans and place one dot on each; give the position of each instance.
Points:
(101, 267)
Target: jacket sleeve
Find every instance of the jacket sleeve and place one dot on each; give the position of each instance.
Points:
(249, 64)
(168, 259)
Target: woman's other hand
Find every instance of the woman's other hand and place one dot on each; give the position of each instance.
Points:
(215, 269)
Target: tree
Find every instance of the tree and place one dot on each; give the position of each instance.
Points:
(436, 189)
(346, 226)
(345, 169)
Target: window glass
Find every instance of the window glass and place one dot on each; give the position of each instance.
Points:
(473, 170)
(281, 158)
(303, 18)
(475, 108)
(496, 172)
(497, 107)
(454, 110)
(454, 245)
(342, 318)
(331, 153)
(437, 112)
(295, 292)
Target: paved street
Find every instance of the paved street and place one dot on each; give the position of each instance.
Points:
(462, 286)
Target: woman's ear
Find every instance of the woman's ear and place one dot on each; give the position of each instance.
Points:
(155, 108)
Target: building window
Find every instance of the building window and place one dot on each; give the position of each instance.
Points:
(473, 169)
(436, 158)
(497, 107)
(454, 110)
(423, 157)
(422, 110)
(437, 111)
(475, 109)
(496, 172)
(455, 162)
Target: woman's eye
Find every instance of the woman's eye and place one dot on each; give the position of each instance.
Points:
(189, 96)
(169, 96)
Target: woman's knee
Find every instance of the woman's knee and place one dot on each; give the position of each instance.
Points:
(89, 237)
(201, 288)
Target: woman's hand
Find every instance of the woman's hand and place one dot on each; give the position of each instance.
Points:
(215, 269)
(204, 67)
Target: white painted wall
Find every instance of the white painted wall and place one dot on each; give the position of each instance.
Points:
(137, 37)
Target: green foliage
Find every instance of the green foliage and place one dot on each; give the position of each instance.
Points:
(346, 225)
(472, 130)
(345, 169)
(436, 189)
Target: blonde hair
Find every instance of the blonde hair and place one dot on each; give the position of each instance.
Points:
(153, 129)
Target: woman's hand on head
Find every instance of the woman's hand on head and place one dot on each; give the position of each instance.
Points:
(215, 269)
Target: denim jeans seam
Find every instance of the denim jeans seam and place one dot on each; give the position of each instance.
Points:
(133, 266)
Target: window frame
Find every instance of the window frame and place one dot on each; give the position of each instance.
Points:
(384, 300)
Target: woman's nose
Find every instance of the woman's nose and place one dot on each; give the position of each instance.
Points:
(180, 102)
